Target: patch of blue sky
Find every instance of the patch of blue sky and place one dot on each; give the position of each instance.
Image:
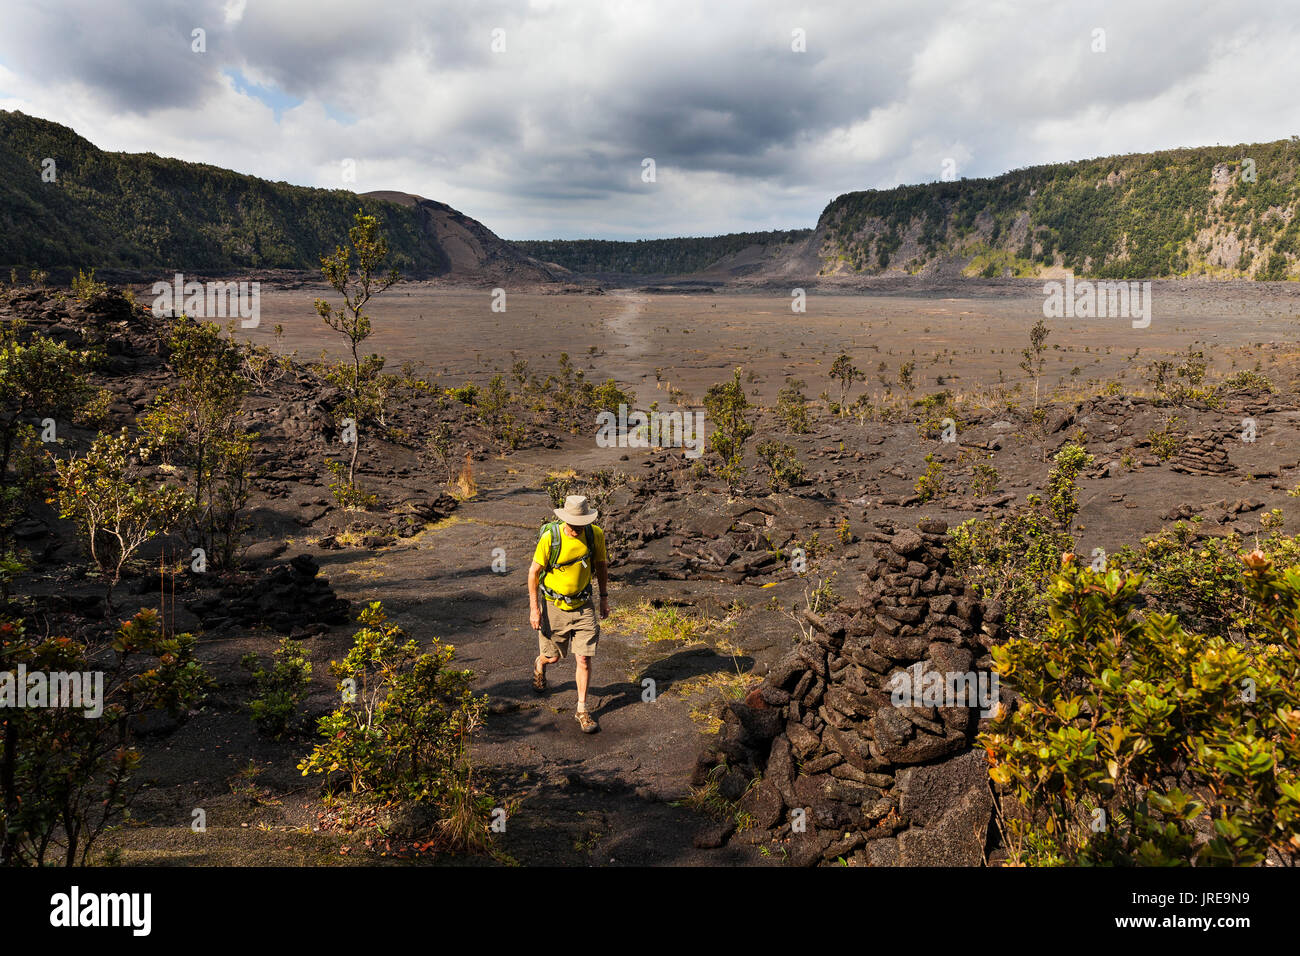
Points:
(342, 117)
(277, 99)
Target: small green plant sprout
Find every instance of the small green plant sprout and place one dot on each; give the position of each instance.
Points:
(85, 288)
(280, 689)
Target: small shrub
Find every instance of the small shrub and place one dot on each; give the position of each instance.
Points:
(1248, 380)
(1133, 735)
(1167, 440)
(281, 689)
(347, 493)
(783, 466)
(845, 373)
(67, 777)
(792, 407)
(1063, 495)
(984, 479)
(116, 507)
(726, 405)
(930, 484)
(467, 394)
(403, 730)
(85, 288)
(1012, 560)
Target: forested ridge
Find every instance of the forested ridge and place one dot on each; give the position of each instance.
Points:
(142, 211)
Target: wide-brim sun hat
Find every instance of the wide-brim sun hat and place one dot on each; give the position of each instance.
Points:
(577, 511)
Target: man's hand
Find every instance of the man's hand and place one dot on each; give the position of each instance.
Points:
(535, 618)
(604, 606)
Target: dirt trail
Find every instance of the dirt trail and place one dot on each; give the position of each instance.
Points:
(623, 325)
(603, 798)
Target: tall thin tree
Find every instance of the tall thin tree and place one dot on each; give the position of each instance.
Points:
(357, 288)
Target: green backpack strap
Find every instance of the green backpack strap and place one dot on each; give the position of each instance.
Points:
(552, 528)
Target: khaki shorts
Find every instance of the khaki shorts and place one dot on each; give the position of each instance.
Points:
(563, 631)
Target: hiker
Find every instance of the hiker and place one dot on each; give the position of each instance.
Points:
(569, 551)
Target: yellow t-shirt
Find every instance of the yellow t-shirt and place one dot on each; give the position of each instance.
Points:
(575, 574)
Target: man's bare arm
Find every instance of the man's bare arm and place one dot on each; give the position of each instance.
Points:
(534, 609)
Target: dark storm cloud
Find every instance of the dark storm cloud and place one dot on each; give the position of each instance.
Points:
(134, 60)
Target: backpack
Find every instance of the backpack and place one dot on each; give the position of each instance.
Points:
(555, 533)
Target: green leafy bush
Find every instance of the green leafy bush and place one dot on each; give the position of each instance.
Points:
(85, 288)
(196, 426)
(404, 727)
(1136, 741)
(39, 379)
(466, 394)
(1248, 380)
(984, 478)
(348, 495)
(1167, 439)
(792, 407)
(726, 405)
(116, 507)
(1012, 560)
(66, 777)
(1198, 579)
(783, 466)
(607, 396)
(930, 484)
(1062, 493)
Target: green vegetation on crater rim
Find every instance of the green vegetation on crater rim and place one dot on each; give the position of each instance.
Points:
(141, 211)
(1223, 210)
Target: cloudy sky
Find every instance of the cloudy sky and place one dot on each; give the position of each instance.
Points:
(536, 117)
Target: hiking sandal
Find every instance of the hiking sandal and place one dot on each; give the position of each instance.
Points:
(587, 722)
(539, 682)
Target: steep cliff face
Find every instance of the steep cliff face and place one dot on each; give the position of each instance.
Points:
(466, 248)
(1221, 212)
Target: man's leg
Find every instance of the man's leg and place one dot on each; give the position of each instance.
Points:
(583, 667)
(586, 635)
(550, 648)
